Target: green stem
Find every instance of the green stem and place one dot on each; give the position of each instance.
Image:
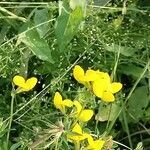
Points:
(127, 128)
(12, 15)
(97, 120)
(77, 145)
(110, 111)
(116, 64)
(11, 116)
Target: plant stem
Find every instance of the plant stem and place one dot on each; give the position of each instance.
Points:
(12, 15)
(127, 127)
(11, 116)
(77, 145)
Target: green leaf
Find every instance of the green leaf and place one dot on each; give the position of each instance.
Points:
(67, 25)
(40, 17)
(146, 114)
(3, 144)
(37, 45)
(137, 103)
(15, 146)
(108, 112)
(46, 68)
(124, 50)
(131, 69)
(4, 30)
(3, 128)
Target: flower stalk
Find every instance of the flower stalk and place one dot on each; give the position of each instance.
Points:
(11, 116)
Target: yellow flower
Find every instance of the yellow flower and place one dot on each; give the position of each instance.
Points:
(77, 133)
(79, 74)
(84, 77)
(95, 145)
(82, 114)
(88, 76)
(104, 89)
(99, 82)
(61, 104)
(24, 85)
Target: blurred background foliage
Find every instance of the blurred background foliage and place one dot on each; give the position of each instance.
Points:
(113, 36)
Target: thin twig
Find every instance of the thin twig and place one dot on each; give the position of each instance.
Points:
(12, 15)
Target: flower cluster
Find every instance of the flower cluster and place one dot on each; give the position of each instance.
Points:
(100, 84)
(79, 135)
(80, 115)
(97, 81)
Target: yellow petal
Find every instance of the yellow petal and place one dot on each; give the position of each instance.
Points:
(19, 81)
(77, 129)
(104, 75)
(96, 145)
(78, 106)
(98, 88)
(86, 115)
(67, 103)
(115, 87)
(99, 144)
(78, 74)
(58, 100)
(90, 139)
(76, 137)
(77, 133)
(91, 75)
(108, 97)
(24, 85)
(30, 83)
